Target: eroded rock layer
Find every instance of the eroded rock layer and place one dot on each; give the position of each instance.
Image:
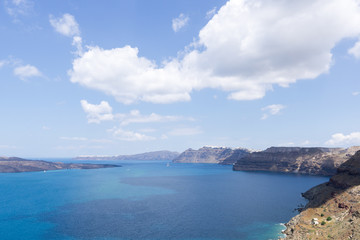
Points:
(315, 161)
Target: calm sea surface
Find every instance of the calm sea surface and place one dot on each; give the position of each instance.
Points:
(143, 200)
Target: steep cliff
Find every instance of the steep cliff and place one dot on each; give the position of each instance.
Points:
(333, 210)
(208, 155)
(315, 161)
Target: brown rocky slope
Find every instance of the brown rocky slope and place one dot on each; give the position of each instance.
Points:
(314, 160)
(333, 210)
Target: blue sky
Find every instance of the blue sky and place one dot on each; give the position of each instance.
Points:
(124, 77)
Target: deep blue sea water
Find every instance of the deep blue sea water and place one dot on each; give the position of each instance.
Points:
(148, 200)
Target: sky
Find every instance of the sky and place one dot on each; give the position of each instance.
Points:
(130, 76)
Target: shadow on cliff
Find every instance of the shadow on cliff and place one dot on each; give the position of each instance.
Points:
(347, 176)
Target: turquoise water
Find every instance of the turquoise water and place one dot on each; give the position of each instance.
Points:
(144, 200)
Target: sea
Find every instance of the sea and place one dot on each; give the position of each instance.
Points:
(149, 200)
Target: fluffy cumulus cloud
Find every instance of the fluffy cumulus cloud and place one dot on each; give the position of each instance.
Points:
(340, 139)
(27, 71)
(180, 22)
(97, 113)
(130, 136)
(245, 49)
(273, 109)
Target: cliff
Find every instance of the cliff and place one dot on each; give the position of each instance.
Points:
(14, 164)
(209, 155)
(314, 161)
(333, 210)
(148, 156)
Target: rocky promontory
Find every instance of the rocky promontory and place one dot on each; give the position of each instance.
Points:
(314, 160)
(333, 210)
(209, 155)
(14, 164)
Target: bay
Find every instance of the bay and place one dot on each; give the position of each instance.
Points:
(149, 200)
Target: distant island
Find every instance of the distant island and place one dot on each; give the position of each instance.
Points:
(148, 156)
(333, 210)
(15, 164)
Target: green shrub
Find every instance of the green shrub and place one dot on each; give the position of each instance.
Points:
(328, 219)
(322, 215)
(323, 223)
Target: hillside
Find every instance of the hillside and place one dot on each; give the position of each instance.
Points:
(333, 210)
(314, 161)
(209, 155)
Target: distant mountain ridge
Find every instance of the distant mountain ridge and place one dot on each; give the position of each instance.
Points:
(148, 156)
(15, 164)
(209, 155)
(314, 160)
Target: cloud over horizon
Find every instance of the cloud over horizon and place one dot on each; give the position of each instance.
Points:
(341, 139)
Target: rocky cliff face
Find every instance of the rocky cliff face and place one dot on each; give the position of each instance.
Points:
(208, 155)
(148, 156)
(315, 161)
(333, 210)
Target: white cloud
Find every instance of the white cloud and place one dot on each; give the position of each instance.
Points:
(68, 26)
(356, 93)
(27, 71)
(185, 131)
(179, 22)
(130, 136)
(273, 109)
(211, 13)
(16, 8)
(236, 52)
(74, 138)
(340, 139)
(355, 50)
(136, 117)
(65, 25)
(97, 113)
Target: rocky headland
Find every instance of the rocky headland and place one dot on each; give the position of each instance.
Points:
(313, 161)
(14, 164)
(333, 210)
(210, 155)
(148, 156)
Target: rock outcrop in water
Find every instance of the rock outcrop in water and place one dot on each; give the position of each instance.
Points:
(14, 164)
(210, 155)
(333, 210)
(148, 156)
(314, 161)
